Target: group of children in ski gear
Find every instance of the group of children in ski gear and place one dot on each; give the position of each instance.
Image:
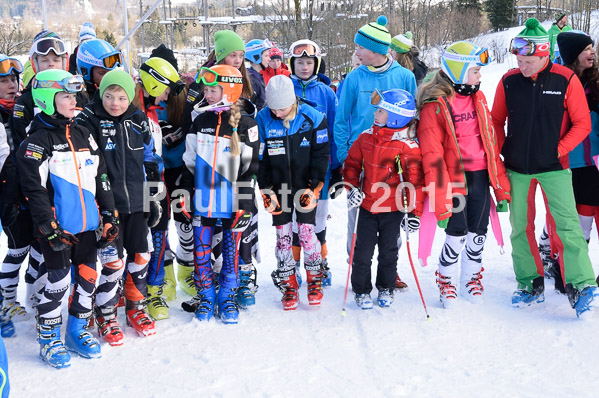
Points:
(98, 182)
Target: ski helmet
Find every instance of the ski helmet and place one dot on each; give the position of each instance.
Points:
(46, 84)
(399, 104)
(96, 52)
(227, 77)
(255, 48)
(43, 43)
(157, 74)
(304, 48)
(460, 57)
(9, 66)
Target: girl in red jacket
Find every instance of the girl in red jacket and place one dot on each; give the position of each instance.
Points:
(460, 159)
(386, 154)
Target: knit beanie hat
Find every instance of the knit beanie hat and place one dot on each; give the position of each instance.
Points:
(120, 78)
(166, 54)
(275, 53)
(534, 32)
(402, 43)
(87, 32)
(374, 36)
(559, 15)
(571, 44)
(226, 42)
(280, 92)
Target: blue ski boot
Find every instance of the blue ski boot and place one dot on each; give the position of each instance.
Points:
(247, 287)
(227, 305)
(385, 297)
(524, 298)
(79, 340)
(327, 277)
(52, 350)
(205, 308)
(583, 301)
(7, 328)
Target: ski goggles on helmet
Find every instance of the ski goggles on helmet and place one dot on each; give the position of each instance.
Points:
(10, 65)
(378, 99)
(210, 78)
(481, 58)
(304, 49)
(72, 84)
(524, 46)
(176, 87)
(44, 46)
(112, 61)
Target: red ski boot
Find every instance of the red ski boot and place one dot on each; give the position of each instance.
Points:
(139, 319)
(286, 281)
(108, 326)
(314, 285)
(400, 285)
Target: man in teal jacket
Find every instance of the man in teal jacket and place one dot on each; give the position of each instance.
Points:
(560, 25)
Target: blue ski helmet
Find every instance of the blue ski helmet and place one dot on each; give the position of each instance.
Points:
(254, 49)
(96, 52)
(398, 103)
(9, 65)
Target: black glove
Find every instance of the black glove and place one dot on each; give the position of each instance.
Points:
(9, 213)
(110, 222)
(241, 221)
(155, 213)
(410, 223)
(171, 137)
(336, 183)
(58, 238)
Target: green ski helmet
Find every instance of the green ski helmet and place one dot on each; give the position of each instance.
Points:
(47, 83)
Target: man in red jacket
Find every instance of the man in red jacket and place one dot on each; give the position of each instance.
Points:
(546, 110)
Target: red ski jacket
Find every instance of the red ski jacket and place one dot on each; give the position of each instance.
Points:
(443, 167)
(269, 72)
(377, 151)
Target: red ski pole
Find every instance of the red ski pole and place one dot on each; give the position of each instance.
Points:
(351, 255)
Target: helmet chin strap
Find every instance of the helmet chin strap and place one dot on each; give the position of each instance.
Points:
(220, 105)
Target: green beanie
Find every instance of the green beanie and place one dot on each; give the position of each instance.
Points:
(226, 42)
(120, 78)
(534, 32)
(402, 43)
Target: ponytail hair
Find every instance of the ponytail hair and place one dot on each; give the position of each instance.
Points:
(234, 118)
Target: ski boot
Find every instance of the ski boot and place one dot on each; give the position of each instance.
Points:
(52, 350)
(314, 276)
(247, 287)
(446, 283)
(138, 318)
(7, 328)
(471, 286)
(364, 301)
(32, 296)
(547, 259)
(14, 310)
(385, 298)
(327, 276)
(185, 277)
(286, 281)
(583, 301)
(524, 298)
(205, 306)
(169, 288)
(400, 285)
(192, 304)
(157, 307)
(79, 340)
(227, 305)
(120, 292)
(555, 272)
(108, 326)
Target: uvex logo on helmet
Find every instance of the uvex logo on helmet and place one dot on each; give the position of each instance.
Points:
(231, 79)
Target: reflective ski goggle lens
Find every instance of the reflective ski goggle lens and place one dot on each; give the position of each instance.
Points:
(70, 84)
(112, 61)
(44, 46)
(481, 58)
(207, 76)
(376, 97)
(9, 65)
(303, 49)
(524, 46)
(177, 87)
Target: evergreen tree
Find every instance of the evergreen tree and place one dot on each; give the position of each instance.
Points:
(502, 13)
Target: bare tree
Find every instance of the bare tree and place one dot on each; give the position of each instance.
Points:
(13, 40)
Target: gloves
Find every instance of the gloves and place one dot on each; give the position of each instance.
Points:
(410, 223)
(155, 213)
(502, 207)
(241, 221)
(9, 214)
(171, 137)
(443, 223)
(336, 183)
(271, 203)
(58, 238)
(355, 198)
(110, 222)
(309, 198)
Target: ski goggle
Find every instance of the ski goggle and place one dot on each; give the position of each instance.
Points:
(266, 44)
(305, 49)
(10, 65)
(44, 46)
(176, 87)
(72, 84)
(524, 46)
(378, 99)
(481, 58)
(210, 78)
(112, 61)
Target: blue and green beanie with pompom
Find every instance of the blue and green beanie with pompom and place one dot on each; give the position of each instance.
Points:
(374, 36)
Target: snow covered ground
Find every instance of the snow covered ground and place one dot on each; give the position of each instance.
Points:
(488, 350)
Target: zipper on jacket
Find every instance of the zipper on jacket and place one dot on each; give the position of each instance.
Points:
(490, 148)
(123, 146)
(534, 97)
(214, 166)
(68, 135)
(449, 116)
(288, 149)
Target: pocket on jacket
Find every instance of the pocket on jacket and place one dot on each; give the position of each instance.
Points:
(134, 135)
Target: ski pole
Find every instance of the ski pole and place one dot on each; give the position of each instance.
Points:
(351, 254)
(405, 205)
